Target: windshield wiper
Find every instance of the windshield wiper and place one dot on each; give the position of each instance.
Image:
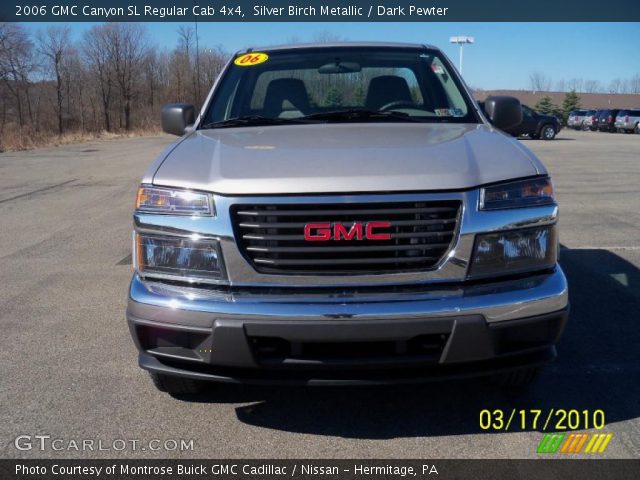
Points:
(361, 114)
(353, 114)
(251, 120)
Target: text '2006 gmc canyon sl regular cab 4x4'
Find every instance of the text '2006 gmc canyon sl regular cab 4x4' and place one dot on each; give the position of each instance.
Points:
(344, 213)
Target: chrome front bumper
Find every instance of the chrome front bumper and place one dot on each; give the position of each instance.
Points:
(218, 336)
(496, 301)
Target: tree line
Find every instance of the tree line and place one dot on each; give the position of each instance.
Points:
(113, 79)
(540, 82)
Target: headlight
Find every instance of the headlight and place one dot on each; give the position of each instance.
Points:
(173, 201)
(523, 193)
(175, 258)
(514, 251)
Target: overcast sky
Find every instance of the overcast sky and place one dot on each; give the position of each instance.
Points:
(504, 55)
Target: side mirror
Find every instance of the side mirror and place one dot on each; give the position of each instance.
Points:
(176, 117)
(503, 112)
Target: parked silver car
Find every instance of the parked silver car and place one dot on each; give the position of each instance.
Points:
(344, 213)
(590, 121)
(576, 118)
(628, 121)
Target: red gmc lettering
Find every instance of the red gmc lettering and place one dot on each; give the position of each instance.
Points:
(339, 230)
(322, 232)
(378, 236)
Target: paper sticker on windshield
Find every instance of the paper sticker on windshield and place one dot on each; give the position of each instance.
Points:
(449, 112)
(437, 69)
(251, 59)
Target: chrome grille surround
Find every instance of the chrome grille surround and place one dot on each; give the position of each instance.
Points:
(271, 236)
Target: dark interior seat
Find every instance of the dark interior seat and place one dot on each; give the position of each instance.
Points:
(386, 89)
(285, 94)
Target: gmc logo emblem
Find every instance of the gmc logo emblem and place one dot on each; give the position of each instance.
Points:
(323, 232)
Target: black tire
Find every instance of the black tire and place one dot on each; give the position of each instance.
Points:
(518, 379)
(176, 385)
(637, 129)
(548, 132)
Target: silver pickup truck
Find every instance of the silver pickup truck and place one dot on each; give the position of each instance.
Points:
(344, 213)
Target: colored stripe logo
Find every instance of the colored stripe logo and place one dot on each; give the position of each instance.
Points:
(574, 443)
(550, 442)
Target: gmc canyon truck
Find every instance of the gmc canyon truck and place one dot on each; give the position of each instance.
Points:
(344, 214)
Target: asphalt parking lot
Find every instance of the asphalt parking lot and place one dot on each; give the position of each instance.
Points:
(68, 366)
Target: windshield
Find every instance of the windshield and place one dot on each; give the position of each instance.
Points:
(338, 84)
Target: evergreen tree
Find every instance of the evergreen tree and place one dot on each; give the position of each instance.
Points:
(333, 98)
(571, 102)
(545, 105)
(359, 95)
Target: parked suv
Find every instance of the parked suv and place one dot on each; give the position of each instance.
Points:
(575, 119)
(607, 119)
(536, 125)
(344, 213)
(590, 120)
(628, 121)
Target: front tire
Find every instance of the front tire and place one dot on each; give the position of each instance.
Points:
(176, 385)
(547, 132)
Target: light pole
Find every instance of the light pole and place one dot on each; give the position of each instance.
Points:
(461, 40)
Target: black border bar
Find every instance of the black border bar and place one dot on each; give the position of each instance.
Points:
(196, 469)
(320, 11)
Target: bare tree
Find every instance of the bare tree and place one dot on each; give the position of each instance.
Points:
(212, 62)
(98, 55)
(615, 86)
(76, 87)
(186, 39)
(575, 84)
(150, 71)
(128, 48)
(634, 84)
(16, 64)
(624, 86)
(53, 45)
(592, 86)
(326, 36)
(561, 86)
(539, 82)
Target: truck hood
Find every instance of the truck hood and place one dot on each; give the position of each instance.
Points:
(339, 158)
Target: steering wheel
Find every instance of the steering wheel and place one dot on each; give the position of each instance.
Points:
(396, 104)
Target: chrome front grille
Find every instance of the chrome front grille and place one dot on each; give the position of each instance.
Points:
(271, 236)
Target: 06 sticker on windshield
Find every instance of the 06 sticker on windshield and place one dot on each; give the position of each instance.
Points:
(251, 59)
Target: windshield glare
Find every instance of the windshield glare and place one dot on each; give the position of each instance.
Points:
(296, 83)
